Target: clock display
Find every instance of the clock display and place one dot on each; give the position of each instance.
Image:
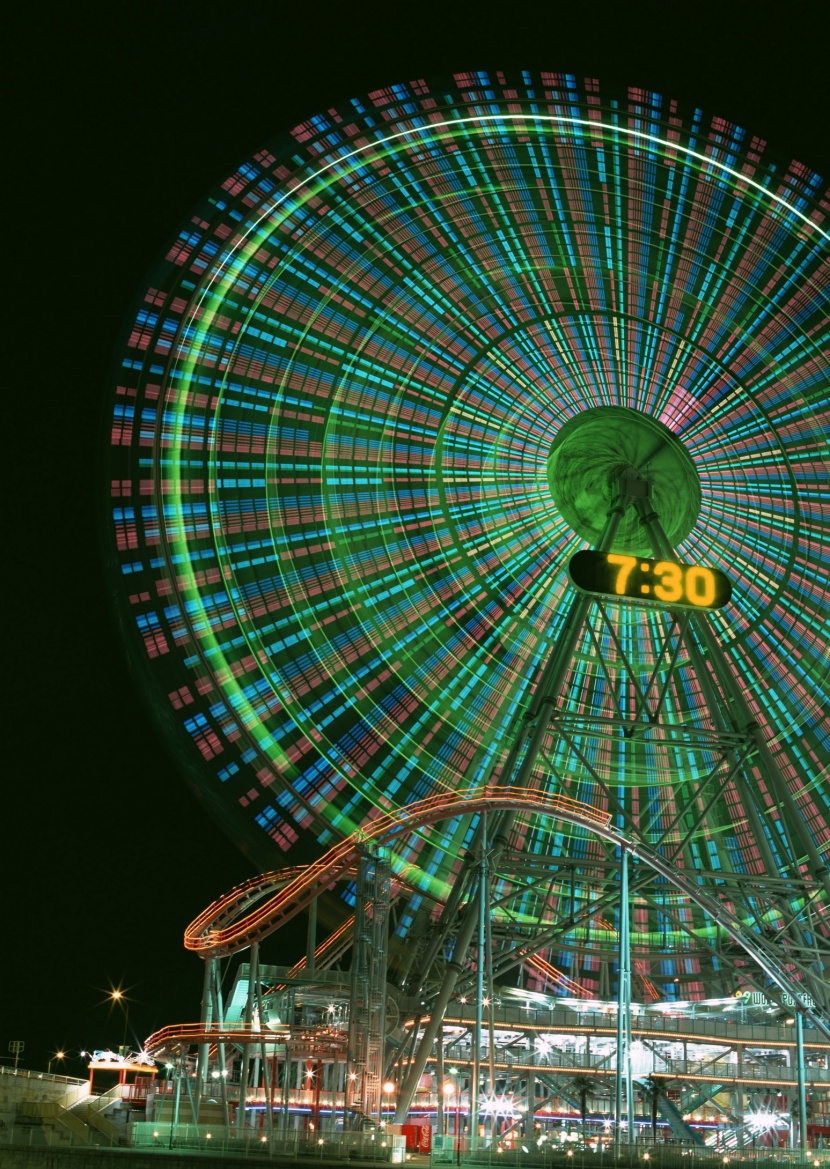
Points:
(655, 582)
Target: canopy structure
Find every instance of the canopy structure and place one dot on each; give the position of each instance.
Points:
(374, 401)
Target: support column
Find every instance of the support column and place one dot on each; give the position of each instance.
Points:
(525, 748)
(205, 1017)
(286, 1090)
(623, 1015)
(487, 875)
(742, 715)
(221, 1054)
(177, 1099)
(367, 1008)
(739, 717)
(481, 899)
(802, 1085)
(531, 1101)
(253, 975)
(439, 1084)
(263, 1049)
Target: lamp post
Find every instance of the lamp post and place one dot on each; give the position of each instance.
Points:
(457, 1087)
(388, 1088)
(57, 1055)
(448, 1091)
(118, 996)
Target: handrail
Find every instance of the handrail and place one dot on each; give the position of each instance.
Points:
(30, 1074)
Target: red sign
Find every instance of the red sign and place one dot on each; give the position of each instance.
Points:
(418, 1137)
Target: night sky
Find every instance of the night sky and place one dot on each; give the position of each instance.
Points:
(119, 116)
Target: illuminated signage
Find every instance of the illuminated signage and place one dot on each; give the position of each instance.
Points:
(662, 582)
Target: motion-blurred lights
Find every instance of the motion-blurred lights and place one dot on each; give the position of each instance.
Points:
(764, 1121)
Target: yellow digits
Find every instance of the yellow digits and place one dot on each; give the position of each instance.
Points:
(670, 587)
(700, 585)
(626, 563)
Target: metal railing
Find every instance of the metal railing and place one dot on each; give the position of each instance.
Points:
(532, 1154)
(251, 1142)
(28, 1074)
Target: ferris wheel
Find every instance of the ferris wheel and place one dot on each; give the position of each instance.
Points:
(473, 435)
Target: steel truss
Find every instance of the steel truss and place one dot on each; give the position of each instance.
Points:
(367, 1012)
(523, 891)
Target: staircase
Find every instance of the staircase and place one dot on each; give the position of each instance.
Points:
(689, 1101)
(58, 1125)
(670, 1112)
(90, 1113)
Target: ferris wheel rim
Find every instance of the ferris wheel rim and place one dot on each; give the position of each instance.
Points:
(451, 440)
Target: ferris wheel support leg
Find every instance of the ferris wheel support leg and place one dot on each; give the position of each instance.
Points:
(488, 953)
(407, 1089)
(206, 1018)
(534, 728)
(466, 882)
(742, 715)
(740, 718)
(221, 1055)
(802, 1084)
(529, 739)
(367, 1008)
(766, 763)
(623, 1081)
(253, 978)
(481, 903)
(266, 1068)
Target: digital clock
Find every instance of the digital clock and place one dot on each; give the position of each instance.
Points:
(654, 582)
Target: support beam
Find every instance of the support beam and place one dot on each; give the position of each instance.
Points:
(802, 1084)
(623, 1080)
(526, 747)
(367, 1011)
(205, 1017)
(742, 716)
(253, 976)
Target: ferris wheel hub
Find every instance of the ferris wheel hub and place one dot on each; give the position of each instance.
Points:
(595, 448)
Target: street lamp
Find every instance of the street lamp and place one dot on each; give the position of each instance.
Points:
(118, 996)
(454, 1073)
(388, 1088)
(448, 1091)
(57, 1055)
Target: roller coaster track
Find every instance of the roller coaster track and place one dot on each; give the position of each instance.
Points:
(241, 918)
(221, 930)
(178, 1034)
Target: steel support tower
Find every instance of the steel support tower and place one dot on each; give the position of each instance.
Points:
(725, 749)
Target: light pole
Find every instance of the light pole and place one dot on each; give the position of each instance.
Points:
(448, 1091)
(57, 1055)
(456, 1085)
(118, 996)
(388, 1088)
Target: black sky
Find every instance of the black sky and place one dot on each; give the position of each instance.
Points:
(118, 118)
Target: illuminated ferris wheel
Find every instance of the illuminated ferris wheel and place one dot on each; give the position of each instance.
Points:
(473, 436)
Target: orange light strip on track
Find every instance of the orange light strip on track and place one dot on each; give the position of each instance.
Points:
(556, 976)
(190, 1033)
(296, 888)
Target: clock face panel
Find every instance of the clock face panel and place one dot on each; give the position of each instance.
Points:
(667, 583)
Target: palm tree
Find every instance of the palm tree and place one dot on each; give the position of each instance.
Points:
(582, 1087)
(651, 1090)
